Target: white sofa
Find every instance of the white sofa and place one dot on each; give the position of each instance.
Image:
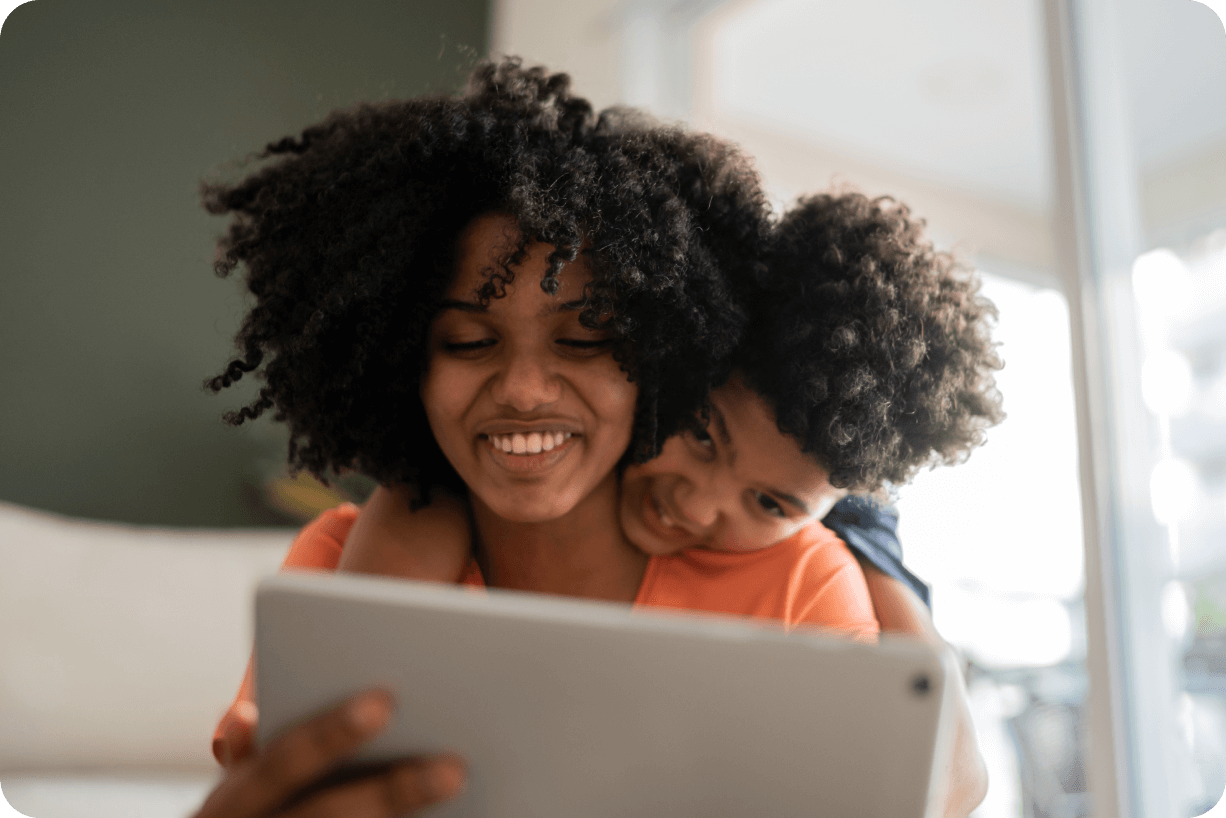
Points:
(120, 646)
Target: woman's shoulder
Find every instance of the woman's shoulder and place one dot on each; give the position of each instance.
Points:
(319, 543)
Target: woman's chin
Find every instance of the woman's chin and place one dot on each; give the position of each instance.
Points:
(528, 509)
(545, 499)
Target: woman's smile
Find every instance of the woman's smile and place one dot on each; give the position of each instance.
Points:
(529, 453)
(526, 402)
(528, 444)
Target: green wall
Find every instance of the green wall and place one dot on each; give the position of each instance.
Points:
(110, 316)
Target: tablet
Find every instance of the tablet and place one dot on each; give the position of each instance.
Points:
(569, 708)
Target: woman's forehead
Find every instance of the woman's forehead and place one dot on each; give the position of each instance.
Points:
(489, 240)
(485, 240)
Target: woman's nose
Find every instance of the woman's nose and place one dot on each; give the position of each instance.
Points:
(527, 382)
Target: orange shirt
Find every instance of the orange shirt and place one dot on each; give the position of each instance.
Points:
(811, 579)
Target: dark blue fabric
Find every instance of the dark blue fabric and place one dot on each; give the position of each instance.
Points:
(871, 530)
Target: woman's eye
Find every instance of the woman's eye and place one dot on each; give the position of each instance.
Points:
(702, 437)
(588, 345)
(769, 505)
(467, 346)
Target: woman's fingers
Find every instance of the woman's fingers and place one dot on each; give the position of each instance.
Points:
(237, 743)
(398, 791)
(298, 757)
(259, 786)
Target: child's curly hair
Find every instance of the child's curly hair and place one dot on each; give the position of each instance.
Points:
(873, 348)
(349, 240)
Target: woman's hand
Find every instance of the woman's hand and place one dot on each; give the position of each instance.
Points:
(900, 611)
(237, 743)
(262, 785)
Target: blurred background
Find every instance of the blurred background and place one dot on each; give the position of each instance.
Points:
(110, 315)
(1074, 152)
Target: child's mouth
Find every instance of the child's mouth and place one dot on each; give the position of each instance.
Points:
(663, 524)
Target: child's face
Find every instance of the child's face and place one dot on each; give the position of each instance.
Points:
(740, 486)
(527, 404)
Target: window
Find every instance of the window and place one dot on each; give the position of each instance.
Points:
(1000, 540)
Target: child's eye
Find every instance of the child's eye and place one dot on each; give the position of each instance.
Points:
(769, 505)
(702, 437)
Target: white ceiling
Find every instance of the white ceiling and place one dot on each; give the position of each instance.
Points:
(954, 91)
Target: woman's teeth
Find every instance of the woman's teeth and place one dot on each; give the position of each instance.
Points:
(531, 443)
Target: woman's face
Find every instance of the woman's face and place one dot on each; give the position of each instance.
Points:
(527, 404)
(739, 486)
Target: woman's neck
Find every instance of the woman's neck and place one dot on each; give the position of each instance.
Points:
(582, 554)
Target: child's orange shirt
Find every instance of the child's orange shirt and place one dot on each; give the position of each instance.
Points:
(808, 579)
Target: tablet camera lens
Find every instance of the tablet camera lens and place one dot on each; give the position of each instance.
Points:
(920, 685)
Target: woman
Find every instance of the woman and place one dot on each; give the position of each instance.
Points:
(640, 326)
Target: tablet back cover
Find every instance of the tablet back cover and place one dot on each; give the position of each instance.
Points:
(574, 709)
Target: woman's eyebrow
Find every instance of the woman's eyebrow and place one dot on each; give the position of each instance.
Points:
(462, 306)
(475, 307)
(565, 306)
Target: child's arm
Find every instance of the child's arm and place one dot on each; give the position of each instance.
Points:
(389, 538)
(900, 610)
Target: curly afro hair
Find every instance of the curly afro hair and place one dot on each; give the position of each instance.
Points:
(873, 348)
(349, 233)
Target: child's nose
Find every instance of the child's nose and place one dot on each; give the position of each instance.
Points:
(698, 502)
